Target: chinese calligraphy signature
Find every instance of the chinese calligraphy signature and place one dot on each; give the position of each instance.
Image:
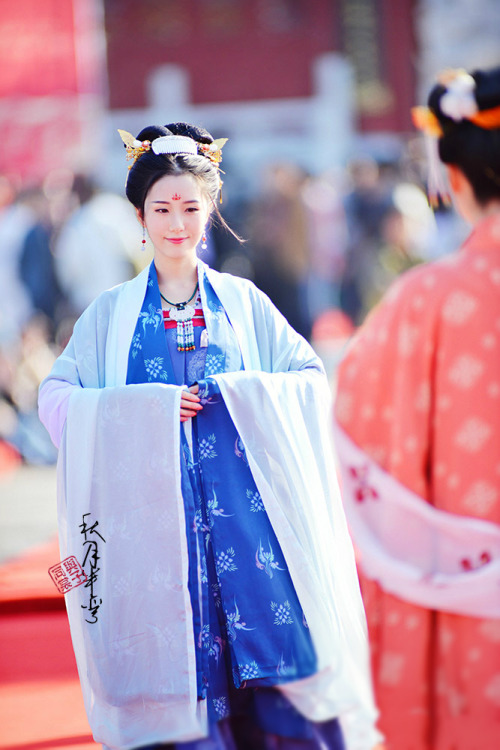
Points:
(91, 560)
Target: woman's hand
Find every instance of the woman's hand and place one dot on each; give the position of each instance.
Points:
(190, 403)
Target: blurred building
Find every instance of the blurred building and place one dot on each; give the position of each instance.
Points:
(283, 79)
(311, 81)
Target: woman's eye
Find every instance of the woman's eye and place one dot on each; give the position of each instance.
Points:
(192, 210)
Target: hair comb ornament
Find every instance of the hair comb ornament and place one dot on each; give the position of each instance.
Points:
(172, 144)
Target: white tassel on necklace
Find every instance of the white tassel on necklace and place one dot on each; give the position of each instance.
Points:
(183, 313)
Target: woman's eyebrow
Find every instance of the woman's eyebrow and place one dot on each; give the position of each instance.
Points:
(193, 200)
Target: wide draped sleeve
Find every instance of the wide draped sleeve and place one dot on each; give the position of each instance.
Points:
(81, 365)
(96, 354)
(280, 405)
(119, 465)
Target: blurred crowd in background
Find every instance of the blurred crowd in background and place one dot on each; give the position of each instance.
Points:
(325, 179)
(323, 247)
(63, 242)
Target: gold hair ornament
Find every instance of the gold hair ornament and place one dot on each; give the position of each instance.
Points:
(175, 144)
(213, 151)
(172, 144)
(134, 148)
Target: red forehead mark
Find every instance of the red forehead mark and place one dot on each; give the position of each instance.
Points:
(176, 197)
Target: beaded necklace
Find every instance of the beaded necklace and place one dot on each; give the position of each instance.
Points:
(183, 313)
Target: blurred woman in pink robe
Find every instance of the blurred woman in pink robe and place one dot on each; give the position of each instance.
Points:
(418, 434)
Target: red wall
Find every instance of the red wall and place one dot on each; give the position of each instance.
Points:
(233, 50)
(237, 50)
(398, 51)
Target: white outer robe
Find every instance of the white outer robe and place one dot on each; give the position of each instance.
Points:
(119, 459)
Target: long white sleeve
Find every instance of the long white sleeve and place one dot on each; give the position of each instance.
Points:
(55, 392)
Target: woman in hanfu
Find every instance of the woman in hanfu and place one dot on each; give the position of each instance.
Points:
(222, 608)
(418, 433)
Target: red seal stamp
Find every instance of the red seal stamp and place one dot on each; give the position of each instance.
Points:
(67, 574)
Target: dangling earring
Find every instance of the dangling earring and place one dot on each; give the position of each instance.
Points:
(204, 241)
(143, 238)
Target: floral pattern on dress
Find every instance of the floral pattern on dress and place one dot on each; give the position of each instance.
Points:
(234, 623)
(155, 370)
(225, 561)
(195, 364)
(136, 345)
(454, 362)
(214, 364)
(265, 560)
(256, 503)
(206, 447)
(221, 707)
(216, 309)
(282, 613)
(214, 644)
(287, 670)
(239, 450)
(151, 317)
(248, 671)
(236, 567)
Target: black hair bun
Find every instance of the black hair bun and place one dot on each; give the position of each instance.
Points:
(151, 132)
(434, 101)
(200, 135)
(487, 88)
(474, 149)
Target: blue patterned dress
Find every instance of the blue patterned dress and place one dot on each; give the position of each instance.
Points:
(250, 631)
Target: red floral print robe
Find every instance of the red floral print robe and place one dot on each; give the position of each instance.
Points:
(419, 393)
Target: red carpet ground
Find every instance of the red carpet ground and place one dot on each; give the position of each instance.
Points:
(41, 705)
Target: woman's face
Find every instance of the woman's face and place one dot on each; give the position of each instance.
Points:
(175, 214)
